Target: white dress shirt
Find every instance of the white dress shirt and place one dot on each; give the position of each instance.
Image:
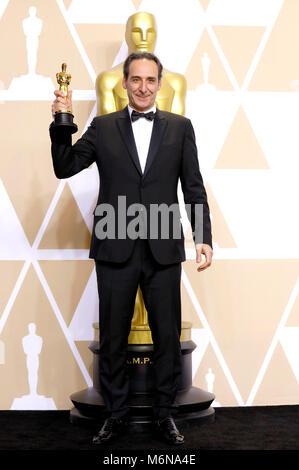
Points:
(142, 130)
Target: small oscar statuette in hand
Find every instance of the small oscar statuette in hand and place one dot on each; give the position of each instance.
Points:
(64, 118)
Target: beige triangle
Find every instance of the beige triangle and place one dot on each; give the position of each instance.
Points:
(217, 75)
(278, 68)
(58, 374)
(241, 149)
(86, 355)
(67, 228)
(205, 3)
(195, 278)
(189, 313)
(221, 388)
(29, 155)
(293, 319)
(239, 44)
(220, 229)
(67, 280)
(243, 302)
(14, 57)
(101, 43)
(81, 112)
(67, 3)
(29, 177)
(137, 3)
(9, 271)
(279, 385)
(49, 59)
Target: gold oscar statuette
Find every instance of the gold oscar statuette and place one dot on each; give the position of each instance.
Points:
(64, 119)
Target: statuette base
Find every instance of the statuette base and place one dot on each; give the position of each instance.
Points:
(65, 120)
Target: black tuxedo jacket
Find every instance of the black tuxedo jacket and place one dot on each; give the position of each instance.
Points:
(172, 155)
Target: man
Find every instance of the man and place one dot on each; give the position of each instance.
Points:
(140, 158)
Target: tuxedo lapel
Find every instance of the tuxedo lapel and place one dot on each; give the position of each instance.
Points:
(125, 127)
(159, 126)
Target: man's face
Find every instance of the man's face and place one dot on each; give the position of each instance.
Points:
(142, 84)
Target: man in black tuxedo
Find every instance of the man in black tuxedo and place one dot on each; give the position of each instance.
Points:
(140, 158)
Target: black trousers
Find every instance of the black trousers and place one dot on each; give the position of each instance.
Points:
(117, 287)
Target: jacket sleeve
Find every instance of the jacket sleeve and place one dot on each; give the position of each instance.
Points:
(195, 195)
(70, 159)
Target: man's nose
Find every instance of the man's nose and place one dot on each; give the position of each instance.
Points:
(143, 86)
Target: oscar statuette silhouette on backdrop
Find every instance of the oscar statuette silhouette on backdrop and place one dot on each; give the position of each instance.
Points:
(193, 402)
(31, 85)
(32, 346)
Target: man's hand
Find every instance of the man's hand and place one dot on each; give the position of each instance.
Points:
(62, 103)
(206, 250)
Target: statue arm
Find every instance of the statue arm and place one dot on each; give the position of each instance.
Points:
(105, 98)
(24, 344)
(39, 345)
(40, 26)
(178, 83)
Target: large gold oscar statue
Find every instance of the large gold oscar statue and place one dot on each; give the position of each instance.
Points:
(111, 96)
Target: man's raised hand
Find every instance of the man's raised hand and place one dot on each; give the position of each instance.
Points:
(61, 102)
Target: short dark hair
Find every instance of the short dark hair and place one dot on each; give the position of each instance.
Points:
(142, 55)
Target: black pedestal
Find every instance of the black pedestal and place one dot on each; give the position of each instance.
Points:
(64, 121)
(193, 403)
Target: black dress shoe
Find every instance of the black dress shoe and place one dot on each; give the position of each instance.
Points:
(167, 429)
(112, 428)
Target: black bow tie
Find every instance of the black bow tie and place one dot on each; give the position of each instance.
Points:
(135, 115)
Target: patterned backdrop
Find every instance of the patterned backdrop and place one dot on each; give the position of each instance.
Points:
(240, 59)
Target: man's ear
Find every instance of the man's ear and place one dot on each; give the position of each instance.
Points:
(159, 84)
(124, 83)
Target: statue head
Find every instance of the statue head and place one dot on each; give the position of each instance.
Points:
(32, 328)
(32, 11)
(141, 32)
